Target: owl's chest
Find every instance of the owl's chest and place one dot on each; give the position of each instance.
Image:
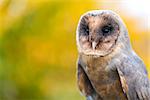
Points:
(98, 69)
(104, 79)
(100, 72)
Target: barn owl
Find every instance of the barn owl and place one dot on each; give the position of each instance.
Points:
(108, 68)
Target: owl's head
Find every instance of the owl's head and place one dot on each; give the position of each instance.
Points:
(98, 32)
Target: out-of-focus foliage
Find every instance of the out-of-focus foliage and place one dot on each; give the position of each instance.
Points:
(38, 48)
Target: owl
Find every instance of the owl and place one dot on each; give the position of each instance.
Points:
(107, 67)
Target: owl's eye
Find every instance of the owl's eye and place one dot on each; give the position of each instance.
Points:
(106, 30)
(86, 30)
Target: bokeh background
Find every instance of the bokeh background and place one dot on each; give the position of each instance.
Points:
(38, 49)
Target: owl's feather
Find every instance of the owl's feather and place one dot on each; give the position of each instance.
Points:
(133, 77)
(108, 68)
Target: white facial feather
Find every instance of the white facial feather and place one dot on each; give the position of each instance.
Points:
(121, 37)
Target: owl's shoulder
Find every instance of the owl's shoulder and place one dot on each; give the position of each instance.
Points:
(129, 62)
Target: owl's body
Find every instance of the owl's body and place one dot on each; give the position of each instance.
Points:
(108, 68)
(103, 78)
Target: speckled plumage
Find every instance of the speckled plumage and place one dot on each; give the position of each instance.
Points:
(110, 70)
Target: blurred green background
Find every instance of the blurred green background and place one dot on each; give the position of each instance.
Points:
(38, 49)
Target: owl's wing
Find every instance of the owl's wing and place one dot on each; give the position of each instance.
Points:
(134, 79)
(84, 83)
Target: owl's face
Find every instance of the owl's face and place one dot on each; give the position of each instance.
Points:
(97, 33)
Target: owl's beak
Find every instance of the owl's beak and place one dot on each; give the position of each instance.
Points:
(94, 44)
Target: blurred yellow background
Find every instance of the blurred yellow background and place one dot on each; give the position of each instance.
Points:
(38, 49)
